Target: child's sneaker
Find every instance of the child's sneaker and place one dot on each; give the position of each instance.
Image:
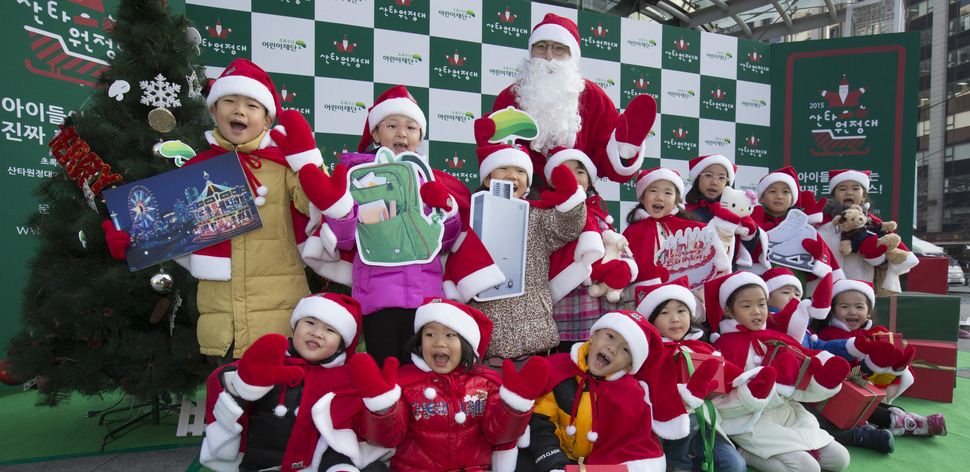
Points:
(880, 440)
(911, 424)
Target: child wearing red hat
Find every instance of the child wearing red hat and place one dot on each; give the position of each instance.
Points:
(258, 409)
(784, 436)
(282, 166)
(446, 411)
(524, 325)
(669, 307)
(597, 409)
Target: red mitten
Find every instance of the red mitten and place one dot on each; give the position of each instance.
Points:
(702, 382)
(748, 226)
(373, 383)
(723, 213)
(118, 241)
(787, 367)
(619, 277)
(760, 385)
(832, 373)
(296, 136)
(907, 356)
(822, 298)
(874, 348)
(883, 359)
(634, 124)
(813, 247)
(811, 207)
(329, 193)
(435, 194)
(527, 383)
(564, 183)
(484, 130)
(262, 366)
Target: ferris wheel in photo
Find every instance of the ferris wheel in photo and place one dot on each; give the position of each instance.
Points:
(142, 207)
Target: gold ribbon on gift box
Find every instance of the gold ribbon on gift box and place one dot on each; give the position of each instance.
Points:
(923, 364)
(778, 344)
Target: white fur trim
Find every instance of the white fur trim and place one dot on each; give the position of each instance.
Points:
(555, 33)
(452, 317)
(616, 151)
(279, 411)
(384, 400)
(509, 156)
(592, 436)
(221, 446)
(821, 269)
(905, 381)
(526, 438)
(262, 190)
(850, 176)
(430, 393)
(737, 281)
(852, 350)
(249, 392)
(675, 428)
(226, 411)
(785, 390)
(647, 465)
(514, 400)
(852, 284)
(505, 461)
(259, 201)
(396, 106)
(570, 154)
(571, 430)
(341, 208)
(775, 177)
(708, 161)
(782, 280)
(721, 223)
(819, 313)
(316, 219)
(632, 333)
(344, 441)
(478, 281)
(875, 260)
(343, 468)
(460, 417)
(300, 159)
(245, 86)
(662, 294)
(327, 311)
(578, 197)
(567, 279)
(660, 174)
(878, 369)
(210, 267)
(690, 400)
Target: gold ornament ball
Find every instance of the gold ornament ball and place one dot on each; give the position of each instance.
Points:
(161, 120)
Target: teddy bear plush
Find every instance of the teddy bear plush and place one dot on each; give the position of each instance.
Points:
(616, 246)
(860, 234)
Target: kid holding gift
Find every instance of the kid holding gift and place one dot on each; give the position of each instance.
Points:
(784, 436)
(258, 408)
(249, 285)
(447, 412)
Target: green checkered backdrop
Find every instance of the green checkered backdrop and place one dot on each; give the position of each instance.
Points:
(331, 58)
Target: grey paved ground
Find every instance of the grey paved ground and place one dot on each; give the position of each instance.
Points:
(179, 459)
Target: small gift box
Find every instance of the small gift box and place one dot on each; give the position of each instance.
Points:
(896, 339)
(688, 361)
(854, 403)
(777, 347)
(934, 368)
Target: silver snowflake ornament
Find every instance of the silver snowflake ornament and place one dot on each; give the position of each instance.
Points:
(160, 92)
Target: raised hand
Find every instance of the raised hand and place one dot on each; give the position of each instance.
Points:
(118, 241)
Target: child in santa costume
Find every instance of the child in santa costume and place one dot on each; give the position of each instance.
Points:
(669, 307)
(851, 187)
(523, 325)
(709, 175)
(447, 412)
(249, 285)
(779, 193)
(791, 315)
(258, 409)
(596, 409)
(579, 263)
(389, 295)
(784, 436)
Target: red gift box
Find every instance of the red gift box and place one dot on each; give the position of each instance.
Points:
(853, 405)
(896, 339)
(682, 357)
(934, 368)
(776, 347)
(597, 468)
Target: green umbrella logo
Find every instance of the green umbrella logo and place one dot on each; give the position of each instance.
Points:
(512, 124)
(300, 43)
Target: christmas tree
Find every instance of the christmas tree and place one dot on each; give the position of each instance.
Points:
(90, 325)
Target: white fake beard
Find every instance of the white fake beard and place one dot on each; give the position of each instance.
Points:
(549, 91)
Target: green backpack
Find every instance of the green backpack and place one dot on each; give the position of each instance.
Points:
(392, 228)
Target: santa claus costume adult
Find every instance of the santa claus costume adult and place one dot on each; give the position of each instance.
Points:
(574, 112)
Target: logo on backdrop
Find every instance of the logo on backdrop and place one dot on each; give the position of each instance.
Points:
(641, 84)
(603, 83)
(218, 31)
(71, 49)
(841, 121)
(455, 162)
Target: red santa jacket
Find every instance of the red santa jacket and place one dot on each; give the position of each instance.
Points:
(423, 424)
(598, 120)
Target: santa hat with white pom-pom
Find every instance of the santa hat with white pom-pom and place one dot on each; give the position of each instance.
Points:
(472, 325)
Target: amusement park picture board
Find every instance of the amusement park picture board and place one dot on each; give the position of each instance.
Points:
(184, 210)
